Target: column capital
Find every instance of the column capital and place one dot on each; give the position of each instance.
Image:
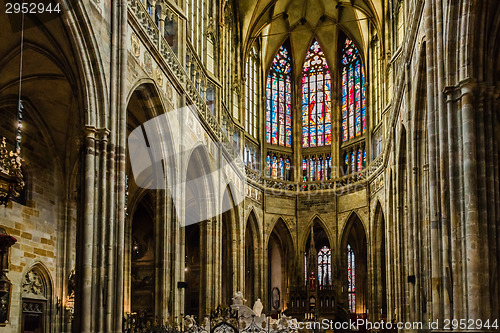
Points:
(90, 131)
(463, 87)
(467, 86)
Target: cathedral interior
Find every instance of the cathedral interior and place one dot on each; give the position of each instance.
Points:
(307, 159)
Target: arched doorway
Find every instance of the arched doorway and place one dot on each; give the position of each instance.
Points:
(227, 264)
(197, 202)
(36, 300)
(354, 263)
(192, 270)
(280, 259)
(142, 266)
(379, 265)
(251, 259)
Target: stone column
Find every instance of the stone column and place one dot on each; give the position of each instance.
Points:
(435, 232)
(83, 308)
(471, 222)
(456, 262)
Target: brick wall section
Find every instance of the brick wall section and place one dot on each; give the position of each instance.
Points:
(34, 225)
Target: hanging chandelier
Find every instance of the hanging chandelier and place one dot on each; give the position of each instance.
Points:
(11, 176)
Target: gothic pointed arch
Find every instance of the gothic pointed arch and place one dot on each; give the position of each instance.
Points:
(36, 299)
(228, 237)
(354, 266)
(318, 256)
(316, 99)
(353, 107)
(199, 191)
(279, 99)
(378, 263)
(252, 258)
(149, 137)
(198, 210)
(280, 251)
(143, 255)
(318, 222)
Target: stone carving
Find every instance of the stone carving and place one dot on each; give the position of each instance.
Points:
(148, 63)
(159, 77)
(134, 42)
(33, 284)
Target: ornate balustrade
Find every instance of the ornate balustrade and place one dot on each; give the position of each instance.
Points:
(234, 319)
(145, 20)
(339, 184)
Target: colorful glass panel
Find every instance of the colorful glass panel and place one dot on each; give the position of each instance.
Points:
(268, 165)
(316, 99)
(353, 162)
(279, 100)
(353, 93)
(281, 167)
(351, 279)
(312, 168)
(316, 167)
(360, 160)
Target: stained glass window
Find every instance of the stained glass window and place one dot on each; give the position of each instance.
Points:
(268, 165)
(355, 160)
(278, 167)
(353, 93)
(279, 100)
(305, 267)
(316, 167)
(274, 167)
(325, 266)
(316, 99)
(351, 279)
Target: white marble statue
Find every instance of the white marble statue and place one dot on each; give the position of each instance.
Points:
(257, 307)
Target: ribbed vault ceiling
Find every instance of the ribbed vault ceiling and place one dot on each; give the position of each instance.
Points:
(303, 20)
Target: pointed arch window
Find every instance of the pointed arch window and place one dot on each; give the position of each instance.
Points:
(353, 93)
(279, 100)
(325, 266)
(251, 93)
(351, 279)
(316, 99)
